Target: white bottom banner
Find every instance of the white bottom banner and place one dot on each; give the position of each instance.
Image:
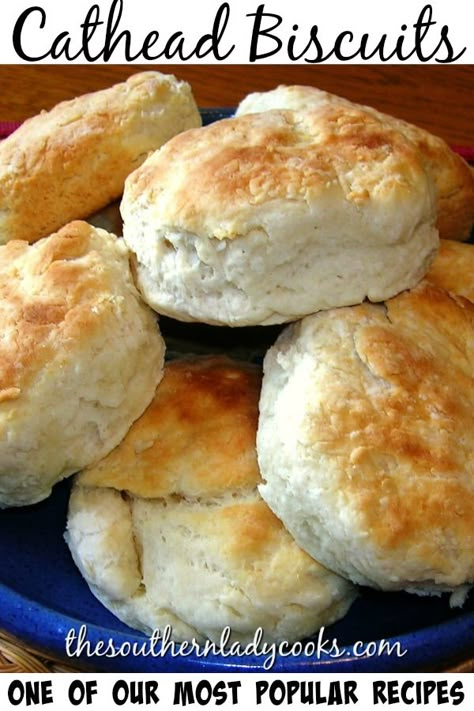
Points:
(246, 691)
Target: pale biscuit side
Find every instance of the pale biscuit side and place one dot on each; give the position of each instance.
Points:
(301, 212)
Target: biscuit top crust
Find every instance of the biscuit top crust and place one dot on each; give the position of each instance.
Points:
(254, 161)
(54, 295)
(77, 155)
(393, 407)
(73, 126)
(197, 438)
(453, 177)
(453, 268)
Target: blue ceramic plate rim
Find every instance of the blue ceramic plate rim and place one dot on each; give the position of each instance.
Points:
(44, 628)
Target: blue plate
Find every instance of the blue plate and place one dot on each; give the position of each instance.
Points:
(43, 598)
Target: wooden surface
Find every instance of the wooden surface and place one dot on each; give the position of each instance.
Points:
(439, 98)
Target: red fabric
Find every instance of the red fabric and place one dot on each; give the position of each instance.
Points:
(7, 127)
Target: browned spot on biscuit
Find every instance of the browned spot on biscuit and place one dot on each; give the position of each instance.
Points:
(197, 438)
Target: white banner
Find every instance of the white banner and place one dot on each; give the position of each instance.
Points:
(104, 692)
(236, 32)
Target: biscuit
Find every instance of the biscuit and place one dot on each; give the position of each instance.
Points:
(80, 357)
(169, 529)
(69, 162)
(300, 212)
(454, 179)
(365, 439)
(453, 268)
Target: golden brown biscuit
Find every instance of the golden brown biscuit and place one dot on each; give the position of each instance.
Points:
(300, 212)
(169, 529)
(453, 177)
(67, 163)
(80, 357)
(453, 268)
(365, 439)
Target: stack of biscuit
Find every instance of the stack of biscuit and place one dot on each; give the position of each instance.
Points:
(210, 493)
(81, 353)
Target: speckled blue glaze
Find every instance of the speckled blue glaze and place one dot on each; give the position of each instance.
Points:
(43, 597)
